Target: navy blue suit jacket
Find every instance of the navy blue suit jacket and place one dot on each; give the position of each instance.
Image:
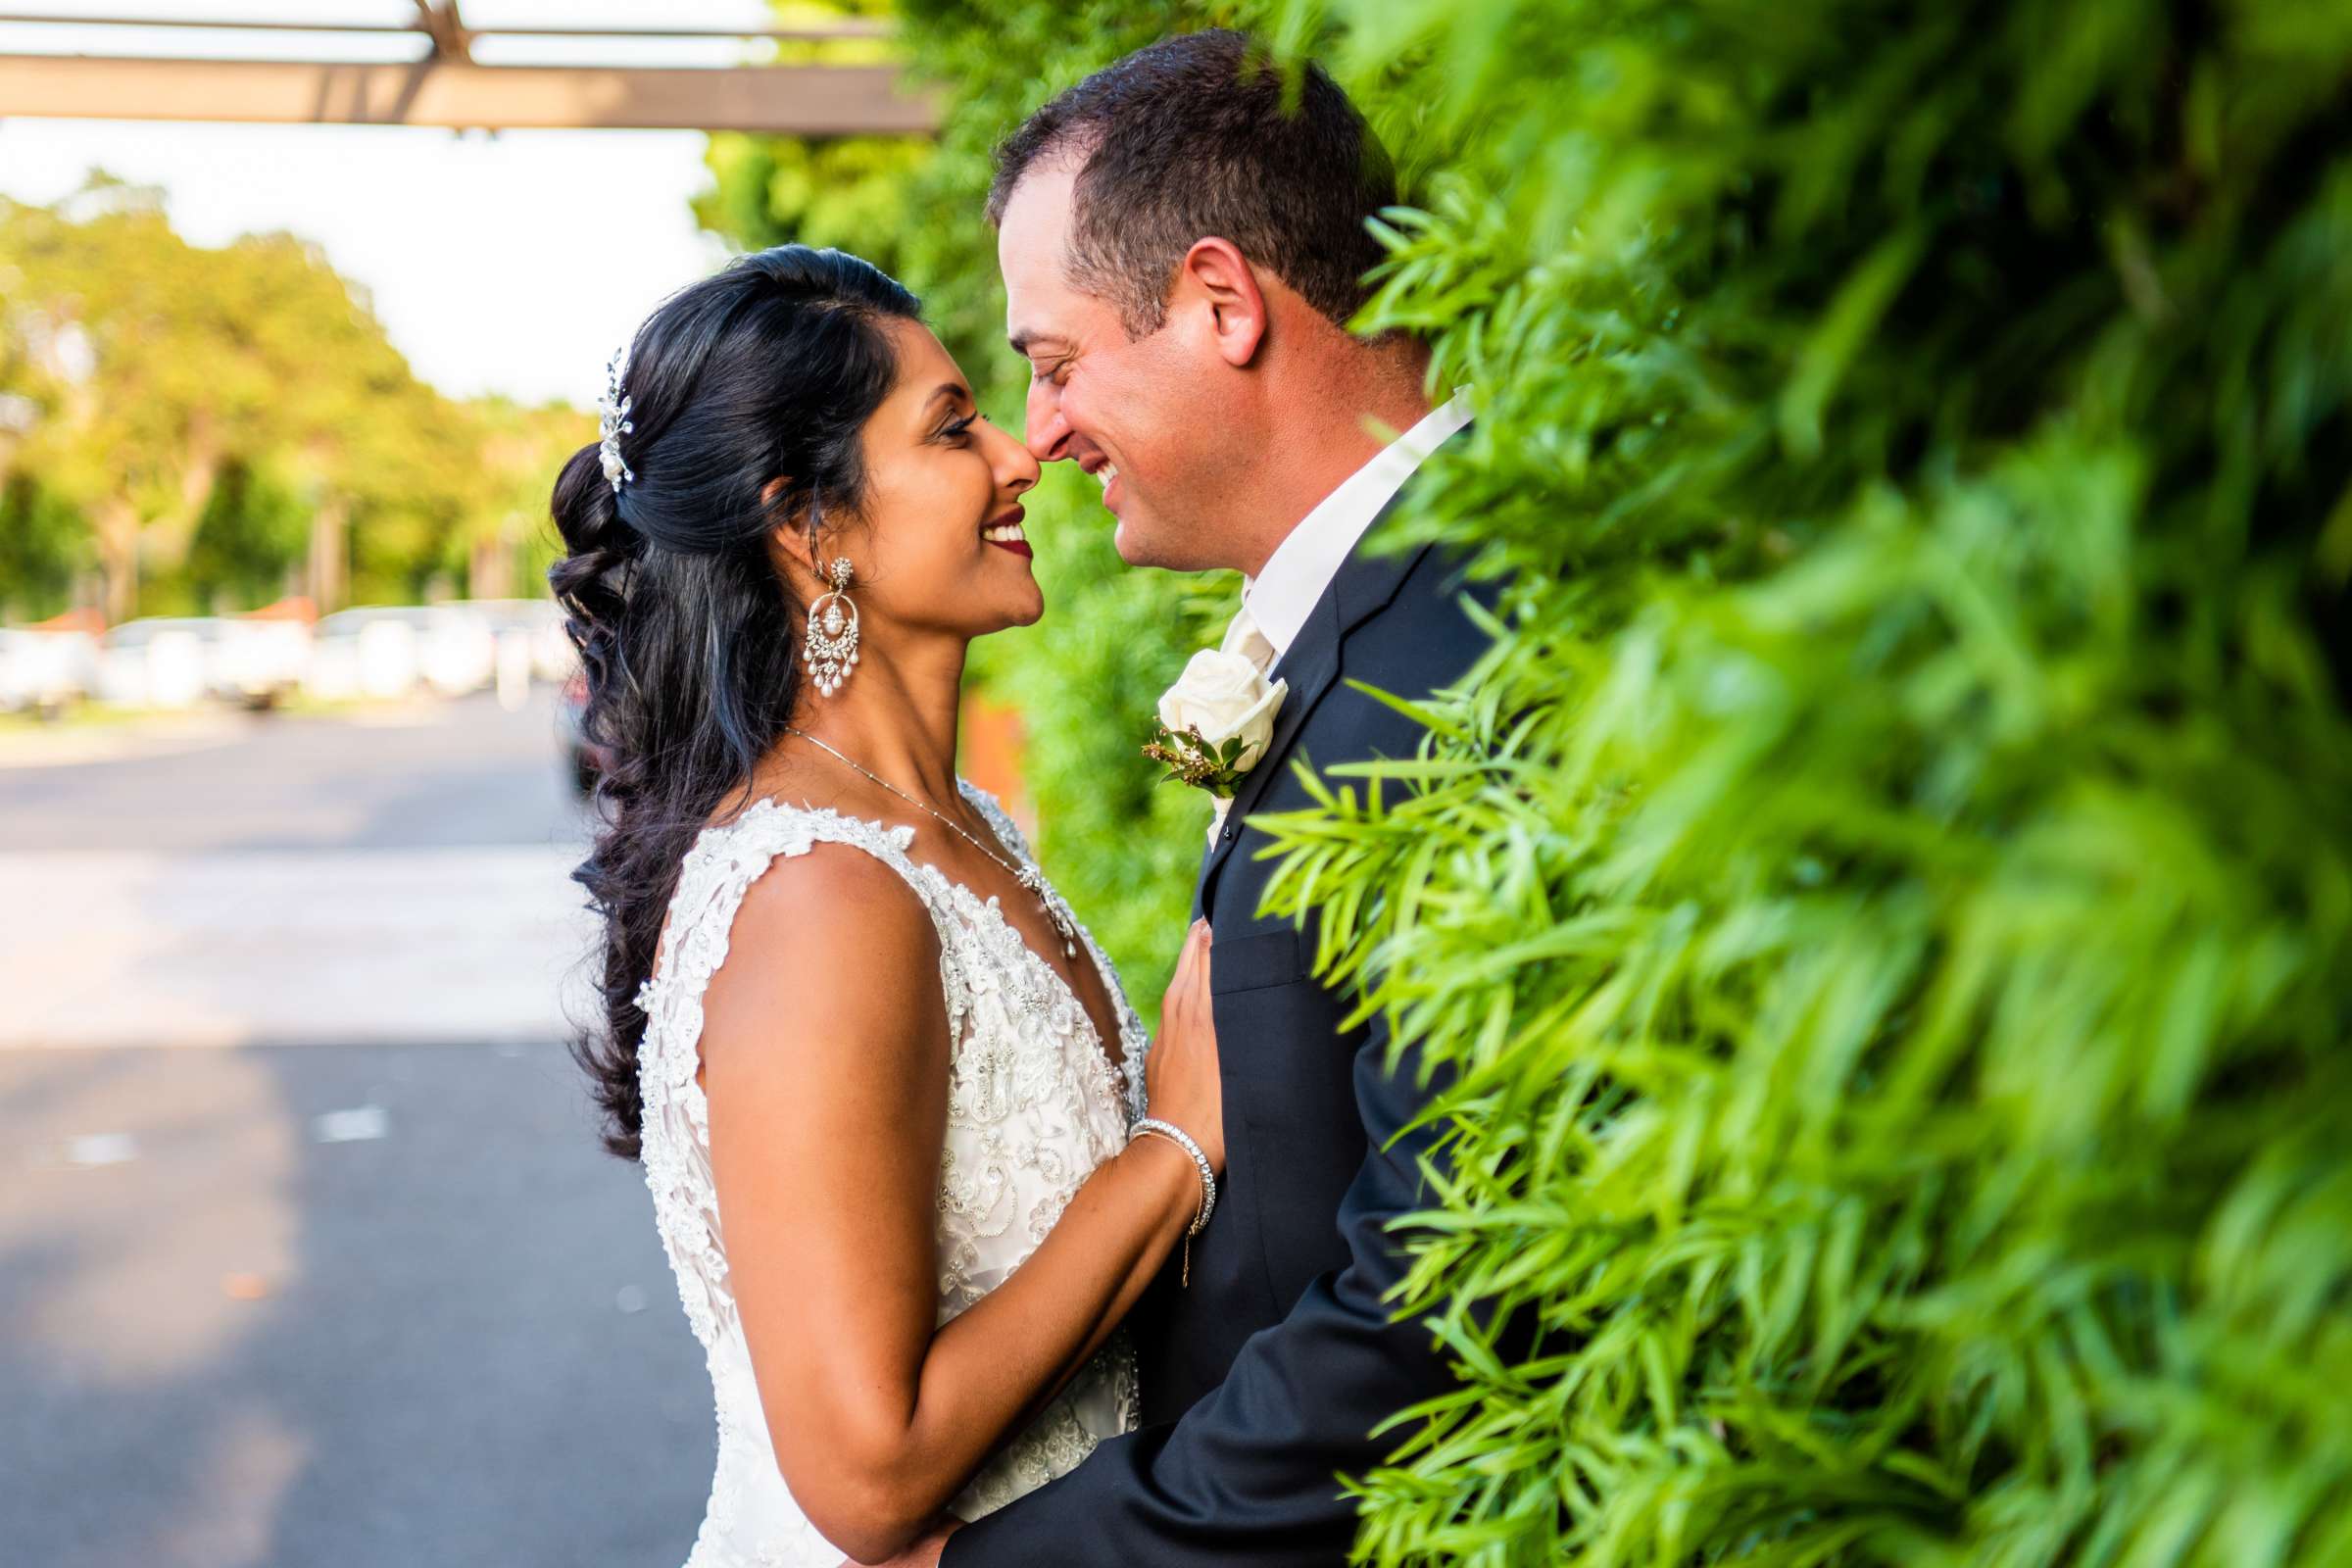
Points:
(1262, 1380)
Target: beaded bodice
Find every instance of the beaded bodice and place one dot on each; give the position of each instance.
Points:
(1034, 1105)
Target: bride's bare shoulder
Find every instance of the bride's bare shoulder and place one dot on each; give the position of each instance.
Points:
(831, 969)
(829, 938)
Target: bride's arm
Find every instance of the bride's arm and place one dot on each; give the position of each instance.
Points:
(825, 1061)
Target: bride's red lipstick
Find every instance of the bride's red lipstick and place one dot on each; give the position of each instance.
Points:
(1009, 516)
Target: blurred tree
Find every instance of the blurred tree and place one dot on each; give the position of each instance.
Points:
(44, 549)
(188, 358)
(508, 541)
(214, 416)
(249, 538)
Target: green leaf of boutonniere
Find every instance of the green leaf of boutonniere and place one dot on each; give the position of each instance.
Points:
(1191, 760)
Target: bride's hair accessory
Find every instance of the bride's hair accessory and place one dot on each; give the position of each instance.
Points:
(612, 422)
(1154, 1127)
(833, 630)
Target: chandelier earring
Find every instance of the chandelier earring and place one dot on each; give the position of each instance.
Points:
(833, 631)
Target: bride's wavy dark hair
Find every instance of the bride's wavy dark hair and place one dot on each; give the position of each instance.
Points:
(689, 642)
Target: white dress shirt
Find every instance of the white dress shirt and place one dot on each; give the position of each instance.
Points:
(1280, 597)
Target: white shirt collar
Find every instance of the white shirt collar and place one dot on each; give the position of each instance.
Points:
(1283, 594)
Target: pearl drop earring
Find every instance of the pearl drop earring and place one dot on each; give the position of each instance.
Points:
(833, 631)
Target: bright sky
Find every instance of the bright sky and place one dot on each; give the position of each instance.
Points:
(513, 263)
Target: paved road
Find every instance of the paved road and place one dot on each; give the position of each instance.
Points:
(406, 777)
(276, 1289)
(395, 876)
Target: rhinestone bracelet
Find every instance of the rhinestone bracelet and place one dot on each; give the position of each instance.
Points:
(1152, 1126)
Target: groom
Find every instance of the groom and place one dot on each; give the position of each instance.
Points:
(1180, 253)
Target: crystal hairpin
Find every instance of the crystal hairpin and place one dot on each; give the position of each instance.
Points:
(612, 422)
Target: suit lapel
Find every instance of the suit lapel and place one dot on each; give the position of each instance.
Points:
(1362, 588)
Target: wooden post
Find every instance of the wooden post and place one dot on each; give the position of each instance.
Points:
(329, 568)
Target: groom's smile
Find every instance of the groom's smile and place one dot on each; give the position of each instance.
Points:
(1107, 475)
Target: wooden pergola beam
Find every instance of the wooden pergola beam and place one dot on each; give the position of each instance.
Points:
(784, 100)
(845, 27)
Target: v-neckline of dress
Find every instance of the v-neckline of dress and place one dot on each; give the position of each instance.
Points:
(1106, 1072)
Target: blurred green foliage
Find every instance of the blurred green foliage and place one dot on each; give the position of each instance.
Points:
(46, 546)
(185, 423)
(253, 530)
(1887, 898)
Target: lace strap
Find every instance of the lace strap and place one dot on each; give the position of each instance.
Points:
(711, 887)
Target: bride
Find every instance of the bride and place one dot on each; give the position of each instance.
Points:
(887, 1092)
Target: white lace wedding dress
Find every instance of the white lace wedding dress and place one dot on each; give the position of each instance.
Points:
(1034, 1105)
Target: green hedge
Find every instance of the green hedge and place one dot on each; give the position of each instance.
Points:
(1889, 896)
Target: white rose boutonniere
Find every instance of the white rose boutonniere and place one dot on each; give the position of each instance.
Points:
(1215, 722)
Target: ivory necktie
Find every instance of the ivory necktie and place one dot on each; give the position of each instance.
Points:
(1243, 637)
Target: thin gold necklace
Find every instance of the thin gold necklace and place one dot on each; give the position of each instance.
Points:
(1026, 875)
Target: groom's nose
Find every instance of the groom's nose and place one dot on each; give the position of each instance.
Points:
(1048, 433)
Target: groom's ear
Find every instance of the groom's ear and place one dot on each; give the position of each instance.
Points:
(1216, 276)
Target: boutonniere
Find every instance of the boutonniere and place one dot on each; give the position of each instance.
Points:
(1214, 723)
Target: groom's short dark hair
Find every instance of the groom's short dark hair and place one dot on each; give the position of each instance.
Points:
(1203, 134)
